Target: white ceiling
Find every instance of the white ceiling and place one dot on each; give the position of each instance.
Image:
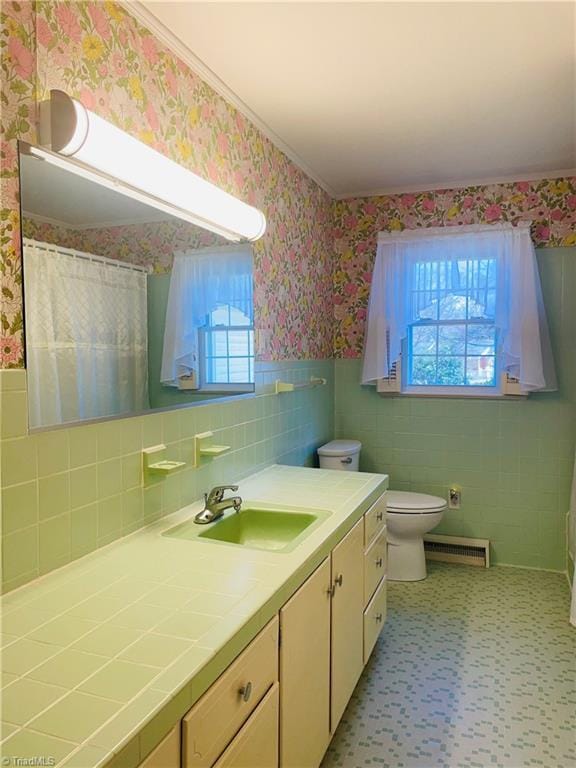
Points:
(390, 96)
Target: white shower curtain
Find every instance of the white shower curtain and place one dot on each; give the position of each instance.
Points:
(86, 335)
(572, 544)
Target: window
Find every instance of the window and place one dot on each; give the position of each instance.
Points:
(227, 349)
(209, 331)
(457, 311)
(451, 340)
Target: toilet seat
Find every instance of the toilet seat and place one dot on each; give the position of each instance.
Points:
(408, 503)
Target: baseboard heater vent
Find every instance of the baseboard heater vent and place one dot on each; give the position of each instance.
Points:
(457, 549)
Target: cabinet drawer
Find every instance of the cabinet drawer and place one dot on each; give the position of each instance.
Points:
(167, 753)
(374, 566)
(215, 719)
(374, 618)
(256, 745)
(374, 520)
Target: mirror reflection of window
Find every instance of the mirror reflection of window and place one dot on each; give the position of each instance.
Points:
(209, 331)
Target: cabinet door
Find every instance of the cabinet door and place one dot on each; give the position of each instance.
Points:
(347, 619)
(305, 672)
(256, 745)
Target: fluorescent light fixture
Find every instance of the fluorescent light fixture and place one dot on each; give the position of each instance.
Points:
(131, 167)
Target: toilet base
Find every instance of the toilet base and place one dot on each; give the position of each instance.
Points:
(406, 560)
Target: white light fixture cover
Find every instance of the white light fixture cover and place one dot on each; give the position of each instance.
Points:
(71, 130)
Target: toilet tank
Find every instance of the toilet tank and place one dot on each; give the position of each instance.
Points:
(340, 454)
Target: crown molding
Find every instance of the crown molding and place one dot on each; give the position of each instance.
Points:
(139, 11)
(460, 184)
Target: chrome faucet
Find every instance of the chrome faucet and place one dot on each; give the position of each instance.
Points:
(215, 504)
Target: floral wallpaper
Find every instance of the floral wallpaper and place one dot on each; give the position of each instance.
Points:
(17, 120)
(98, 53)
(149, 245)
(550, 204)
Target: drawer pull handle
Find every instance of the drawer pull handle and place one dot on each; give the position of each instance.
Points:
(346, 461)
(380, 516)
(330, 591)
(379, 563)
(378, 617)
(338, 580)
(246, 691)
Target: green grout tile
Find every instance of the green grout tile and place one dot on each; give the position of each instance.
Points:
(53, 495)
(82, 446)
(119, 680)
(63, 630)
(24, 699)
(20, 553)
(155, 650)
(53, 452)
(67, 669)
(29, 745)
(109, 478)
(21, 657)
(18, 461)
(107, 640)
(83, 486)
(19, 507)
(83, 530)
(13, 415)
(75, 716)
(54, 543)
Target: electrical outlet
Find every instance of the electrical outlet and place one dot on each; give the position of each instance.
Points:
(454, 498)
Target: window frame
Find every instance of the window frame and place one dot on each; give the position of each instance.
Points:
(221, 387)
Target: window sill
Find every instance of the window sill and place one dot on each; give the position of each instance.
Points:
(453, 395)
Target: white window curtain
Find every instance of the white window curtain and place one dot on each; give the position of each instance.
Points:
(523, 340)
(201, 280)
(86, 335)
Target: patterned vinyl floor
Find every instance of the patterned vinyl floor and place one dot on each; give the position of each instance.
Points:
(474, 668)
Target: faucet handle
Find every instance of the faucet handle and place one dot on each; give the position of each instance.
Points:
(217, 493)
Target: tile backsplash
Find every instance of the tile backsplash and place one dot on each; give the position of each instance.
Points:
(66, 492)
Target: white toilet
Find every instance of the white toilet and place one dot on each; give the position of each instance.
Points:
(409, 515)
(340, 454)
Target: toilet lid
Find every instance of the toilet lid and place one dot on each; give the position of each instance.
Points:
(340, 448)
(407, 502)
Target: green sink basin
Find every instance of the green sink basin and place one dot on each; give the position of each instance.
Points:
(277, 530)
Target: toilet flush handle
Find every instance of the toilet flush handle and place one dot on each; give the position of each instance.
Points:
(347, 460)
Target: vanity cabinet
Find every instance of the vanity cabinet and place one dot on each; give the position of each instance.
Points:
(305, 672)
(167, 753)
(321, 652)
(347, 619)
(216, 718)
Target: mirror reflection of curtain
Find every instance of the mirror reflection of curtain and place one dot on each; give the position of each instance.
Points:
(86, 335)
(202, 280)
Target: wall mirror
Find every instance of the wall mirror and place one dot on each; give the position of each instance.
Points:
(128, 308)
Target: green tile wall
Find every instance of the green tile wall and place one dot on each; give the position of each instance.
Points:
(513, 459)
(67, 492)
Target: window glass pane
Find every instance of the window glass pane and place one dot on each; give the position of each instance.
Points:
(239, 369)
(480, 371)
(450, 372)
(218, 343)
(423, 370)
(451, 339)
(238, 343)
(217, 370)
(424, 340)
(481, 339)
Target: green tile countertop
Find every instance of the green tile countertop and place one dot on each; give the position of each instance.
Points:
(102, 657)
